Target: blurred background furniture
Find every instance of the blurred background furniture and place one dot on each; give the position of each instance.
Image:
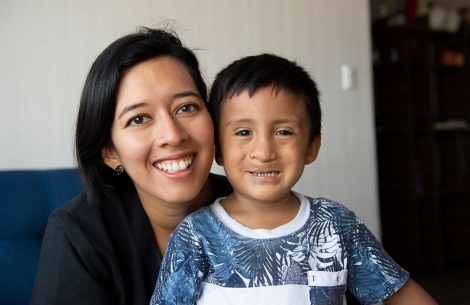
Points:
(27, 197)
(422, 94)
(421, 67)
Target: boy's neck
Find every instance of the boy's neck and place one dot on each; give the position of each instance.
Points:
(261, 215)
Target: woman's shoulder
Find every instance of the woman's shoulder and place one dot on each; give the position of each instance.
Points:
(90, 214)
(117, 228)
(79, 219)
(81, 205)
(77, 203)
(75, 208)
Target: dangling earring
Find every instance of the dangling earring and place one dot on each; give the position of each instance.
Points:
(119, 169)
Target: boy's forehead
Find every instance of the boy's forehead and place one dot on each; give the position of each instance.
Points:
(266, 93)
(250, 91)
(264, 97)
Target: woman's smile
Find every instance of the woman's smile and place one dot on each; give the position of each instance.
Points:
(175, 165)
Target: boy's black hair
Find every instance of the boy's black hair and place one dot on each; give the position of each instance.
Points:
(260, 71)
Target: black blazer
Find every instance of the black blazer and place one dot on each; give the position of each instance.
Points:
(102, 254)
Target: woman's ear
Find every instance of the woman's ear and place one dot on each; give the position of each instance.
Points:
(218, 156)
(314, 148)
(110, 157)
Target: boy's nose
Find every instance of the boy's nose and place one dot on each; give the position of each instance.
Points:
(170, 132)
(263, 149)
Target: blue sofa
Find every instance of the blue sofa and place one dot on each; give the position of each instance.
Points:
(27, 197)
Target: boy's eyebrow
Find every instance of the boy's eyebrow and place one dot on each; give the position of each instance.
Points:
(281, 121)
(238, 121)
(175, 96)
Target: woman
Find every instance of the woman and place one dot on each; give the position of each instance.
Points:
(144, 144)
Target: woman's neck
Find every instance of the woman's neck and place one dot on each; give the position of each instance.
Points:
(166, 216)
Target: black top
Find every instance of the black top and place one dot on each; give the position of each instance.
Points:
(97, 254)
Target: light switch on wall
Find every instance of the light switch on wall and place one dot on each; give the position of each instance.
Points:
(348, 77)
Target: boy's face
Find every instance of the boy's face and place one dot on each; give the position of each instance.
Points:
(264, 144)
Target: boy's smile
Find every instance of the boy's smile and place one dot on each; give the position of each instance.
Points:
(264, 145)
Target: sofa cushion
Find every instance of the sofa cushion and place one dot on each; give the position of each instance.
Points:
(18, 262)
(27, 197)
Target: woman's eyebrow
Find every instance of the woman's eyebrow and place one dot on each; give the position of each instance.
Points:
(175, 96)
(186, 93)
(131, 107)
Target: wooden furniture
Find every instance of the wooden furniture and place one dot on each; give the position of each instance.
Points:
(422, 107)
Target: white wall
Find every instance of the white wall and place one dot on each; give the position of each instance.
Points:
(47, 47)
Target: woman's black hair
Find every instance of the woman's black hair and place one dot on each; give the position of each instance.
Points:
(98, 99)
(252, 73)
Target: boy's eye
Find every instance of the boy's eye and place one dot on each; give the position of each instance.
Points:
(243, 133)
(187, 108)
(138, 120)
(283, 133)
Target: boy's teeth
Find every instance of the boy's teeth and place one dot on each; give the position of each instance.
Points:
(271, 174)
(175, 166)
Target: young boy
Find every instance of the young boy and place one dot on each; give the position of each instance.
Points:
(265, 244)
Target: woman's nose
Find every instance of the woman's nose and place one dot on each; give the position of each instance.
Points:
(263, 149)
(170, 132)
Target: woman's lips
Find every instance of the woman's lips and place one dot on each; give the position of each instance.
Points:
(175, 166)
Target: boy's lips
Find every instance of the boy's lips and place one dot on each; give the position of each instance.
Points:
(175, 166)
(265, 173)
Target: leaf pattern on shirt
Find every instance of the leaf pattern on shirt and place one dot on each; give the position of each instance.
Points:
(202, 248)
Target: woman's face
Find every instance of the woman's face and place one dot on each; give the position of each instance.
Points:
(162, 133)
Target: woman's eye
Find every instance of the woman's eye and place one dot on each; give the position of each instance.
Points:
(243, 133)
(284, 133)
(138, 120)
(187, 108)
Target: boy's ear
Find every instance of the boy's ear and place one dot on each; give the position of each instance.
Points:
(218, 156)
(110, 157)
(313, 150)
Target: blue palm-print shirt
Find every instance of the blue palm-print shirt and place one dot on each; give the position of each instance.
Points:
(210, 260)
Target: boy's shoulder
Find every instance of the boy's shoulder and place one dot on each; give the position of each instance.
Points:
(202, 217)
(325, 207)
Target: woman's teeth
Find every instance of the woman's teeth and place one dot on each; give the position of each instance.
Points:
(174, 167)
